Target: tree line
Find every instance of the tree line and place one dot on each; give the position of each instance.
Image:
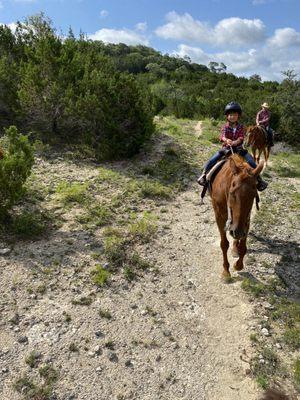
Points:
(74, 90)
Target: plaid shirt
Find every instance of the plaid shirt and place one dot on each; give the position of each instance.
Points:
(235, 134)
(263, 117)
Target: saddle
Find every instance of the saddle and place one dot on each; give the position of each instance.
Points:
(211, 176)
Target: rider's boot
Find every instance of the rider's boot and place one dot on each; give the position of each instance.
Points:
(202, 179)
(261, 184)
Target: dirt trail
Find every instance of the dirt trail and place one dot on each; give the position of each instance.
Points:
(178, 335)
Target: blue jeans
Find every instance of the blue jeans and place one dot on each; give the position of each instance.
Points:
(219, 154)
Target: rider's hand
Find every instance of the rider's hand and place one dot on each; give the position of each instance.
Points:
(229, 141)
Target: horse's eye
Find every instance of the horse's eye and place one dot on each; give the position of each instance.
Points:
(233, 184)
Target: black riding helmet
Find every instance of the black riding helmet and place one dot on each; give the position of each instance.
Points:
(233, 106)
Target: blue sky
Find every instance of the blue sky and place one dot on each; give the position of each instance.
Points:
(249, 36)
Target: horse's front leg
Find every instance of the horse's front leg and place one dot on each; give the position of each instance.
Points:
(241, 250)
(224, 246)
(258, 157)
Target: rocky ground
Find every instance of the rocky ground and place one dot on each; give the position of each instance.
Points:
(174, 332)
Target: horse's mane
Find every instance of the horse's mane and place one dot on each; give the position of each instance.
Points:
(240, 163)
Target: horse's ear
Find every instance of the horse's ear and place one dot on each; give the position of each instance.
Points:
(258, 169)
(233, 166)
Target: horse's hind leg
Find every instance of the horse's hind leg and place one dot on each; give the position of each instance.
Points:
(266, 154)
(235, 248)
(242, 250)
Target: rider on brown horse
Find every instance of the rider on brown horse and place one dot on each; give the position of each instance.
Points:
(232, 137)
(263, 119)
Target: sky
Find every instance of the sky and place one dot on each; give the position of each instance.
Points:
(248, 36)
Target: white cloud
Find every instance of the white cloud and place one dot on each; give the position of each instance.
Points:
(183, 27)
(265, 61)
(228, 32)
(126, 36)
(141, 26)
(12, 26)
(239, 31)
(285, 37)
(104, 13)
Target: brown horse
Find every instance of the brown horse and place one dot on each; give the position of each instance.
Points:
(257, 140)
(233, 192)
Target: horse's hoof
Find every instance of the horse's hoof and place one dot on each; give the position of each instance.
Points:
(235, 253)
(238, 267)
(226, 275)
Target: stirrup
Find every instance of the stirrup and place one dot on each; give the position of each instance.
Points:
(261, 185)
(202, 180)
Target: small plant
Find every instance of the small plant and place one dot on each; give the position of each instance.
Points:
(105, 314)
(110, 345)
(114, 249)
(73, 348)
(33, 359)
(83, 301)
(139, 263)
(15, 167)
(262, 381)
(100, 275)
(67, 316)
(129, 274)
(253, 338)
(32, 391)
(49, 374)
(28, 225)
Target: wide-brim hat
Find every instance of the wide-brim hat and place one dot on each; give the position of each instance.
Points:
(266, 105)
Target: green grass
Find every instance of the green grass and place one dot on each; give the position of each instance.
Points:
(266, 370)
(114, 250)
(254, 288)
(287, 165)
(29, 225)
(100, 276)
(144, 228)
(109, 175)
(296, 368)
(72, 192)
(154, 189)
(96, 216)
(292, 337)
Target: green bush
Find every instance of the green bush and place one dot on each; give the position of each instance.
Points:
(15, 167)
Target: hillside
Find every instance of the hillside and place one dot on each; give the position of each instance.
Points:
(111, 288)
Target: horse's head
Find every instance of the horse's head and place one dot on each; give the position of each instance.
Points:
(250, 135)
(241, 194)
